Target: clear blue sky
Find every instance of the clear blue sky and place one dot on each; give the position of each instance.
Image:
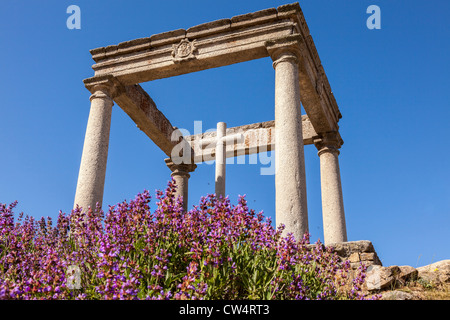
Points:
(392, 87)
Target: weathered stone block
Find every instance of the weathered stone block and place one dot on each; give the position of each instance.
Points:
(253, 18)
(368, 256)
(379, 278)
(397, 295)
(98, 54)
(169, 37)
(346, 248)
(135, 45)
(354, 257)
(208, 28)
(408, 273)
(287, 10)
(111, 51)
(436, 273)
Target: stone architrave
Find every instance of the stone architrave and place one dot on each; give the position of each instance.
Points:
(180, 173)
(334, 226)
(290, 178)
(256, 137)
(91, 177)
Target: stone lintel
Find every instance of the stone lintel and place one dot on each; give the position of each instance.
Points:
(258, 137)
(143, 111)
(320, 101)
(308, 130)
(171, 37)
(229, 46)
(224, 42)
(103, 53)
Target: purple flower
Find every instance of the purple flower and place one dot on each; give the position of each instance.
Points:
(213, 251)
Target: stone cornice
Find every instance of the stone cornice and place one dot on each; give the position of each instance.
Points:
(172, 37)
(155, 62)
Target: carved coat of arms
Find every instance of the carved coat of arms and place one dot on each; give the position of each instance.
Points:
(183, 51)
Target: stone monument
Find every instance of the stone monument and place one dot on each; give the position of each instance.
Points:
(279, 33)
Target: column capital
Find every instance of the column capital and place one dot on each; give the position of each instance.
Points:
(285, 49)
(108, 86)
(328, 142)
(180, 169)
(100, 93)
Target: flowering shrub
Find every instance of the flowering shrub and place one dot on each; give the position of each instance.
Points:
(214, 251)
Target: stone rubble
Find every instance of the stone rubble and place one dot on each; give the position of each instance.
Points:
(393, 282)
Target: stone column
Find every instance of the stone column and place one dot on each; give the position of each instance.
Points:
(91, 177)
(220, 159)
(180, 173)
(290, 179)
(334, 227)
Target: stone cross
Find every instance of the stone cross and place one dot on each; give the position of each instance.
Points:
(221, 141)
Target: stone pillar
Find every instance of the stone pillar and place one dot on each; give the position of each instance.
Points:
(290, 179)
(91, 177)
(180, 173)
(334, 227)
(220, 159)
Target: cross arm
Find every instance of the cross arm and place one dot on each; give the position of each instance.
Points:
(256, 137)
